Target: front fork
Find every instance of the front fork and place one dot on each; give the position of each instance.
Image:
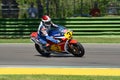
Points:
(69, 44)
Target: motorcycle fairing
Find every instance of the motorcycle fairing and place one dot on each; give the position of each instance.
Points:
(34, 34)
(72, 41)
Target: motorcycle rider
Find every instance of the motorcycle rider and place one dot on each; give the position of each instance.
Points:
(43, 31)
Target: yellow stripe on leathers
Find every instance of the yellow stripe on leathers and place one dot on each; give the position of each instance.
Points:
(63, 71)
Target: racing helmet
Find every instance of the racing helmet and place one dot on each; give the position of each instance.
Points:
(46, 20)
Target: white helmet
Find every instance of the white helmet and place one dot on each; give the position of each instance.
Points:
(46, 20)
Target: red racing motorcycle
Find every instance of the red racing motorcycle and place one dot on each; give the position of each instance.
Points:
(67, 44)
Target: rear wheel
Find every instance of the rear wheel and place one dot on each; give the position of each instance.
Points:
(77, 50)
(42, 52)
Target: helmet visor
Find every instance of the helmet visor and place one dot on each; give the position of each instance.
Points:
(47, 23)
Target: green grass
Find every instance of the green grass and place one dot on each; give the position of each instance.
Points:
(56, 77)
(80, 39)
(15, 41)
(98, 39)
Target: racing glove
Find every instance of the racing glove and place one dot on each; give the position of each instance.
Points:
(52, 39)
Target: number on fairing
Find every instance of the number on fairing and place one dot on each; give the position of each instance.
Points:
(68, 34)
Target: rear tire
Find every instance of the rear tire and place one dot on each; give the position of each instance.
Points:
(42, 52)
(77, 50)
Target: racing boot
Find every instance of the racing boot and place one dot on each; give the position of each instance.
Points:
(46, 47)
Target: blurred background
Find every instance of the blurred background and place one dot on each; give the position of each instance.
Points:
(58, 8)
(18, 18)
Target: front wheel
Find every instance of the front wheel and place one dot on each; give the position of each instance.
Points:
(77, 50)
(42, 52)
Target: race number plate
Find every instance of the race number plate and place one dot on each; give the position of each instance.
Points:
(68, 34)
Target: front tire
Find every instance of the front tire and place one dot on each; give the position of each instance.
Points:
(77, 50)
(42, 52)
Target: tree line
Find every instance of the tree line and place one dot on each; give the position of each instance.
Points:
(66, 8)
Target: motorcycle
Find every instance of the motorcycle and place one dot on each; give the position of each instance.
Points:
(67, 44)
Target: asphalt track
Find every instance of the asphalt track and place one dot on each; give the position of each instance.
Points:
(97, 55)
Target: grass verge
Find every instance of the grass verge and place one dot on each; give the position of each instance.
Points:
(98, 39)
(80, 39)
(15, 41)
(57, 77)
